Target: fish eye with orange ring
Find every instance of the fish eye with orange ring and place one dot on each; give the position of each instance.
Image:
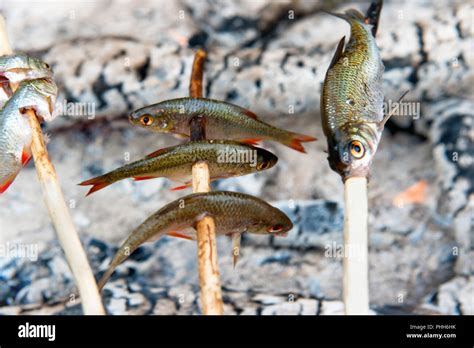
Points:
(146, 120)
(356, 149)
(275, 229)
(263, 165)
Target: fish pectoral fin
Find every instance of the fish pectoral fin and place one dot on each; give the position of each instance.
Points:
(382, 123)
(338, 53)
(5, 184)
(25, 156)
(140, 178)
(181, 234)
(180, 136)
(182, 187)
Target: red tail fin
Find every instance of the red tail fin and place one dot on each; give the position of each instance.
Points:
(98, 184)
(296, 140)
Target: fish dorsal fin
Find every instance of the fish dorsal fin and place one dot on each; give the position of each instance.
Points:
(250, 114)
(355, 14)
(338, 53)
(156, 153)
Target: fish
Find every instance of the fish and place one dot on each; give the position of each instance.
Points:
(19, 67)
(233, 213)
(222, 121)
(15, 132)
(352, 98)
(225, 159)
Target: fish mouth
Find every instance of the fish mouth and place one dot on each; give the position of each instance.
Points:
(363, 171)
(133, 117)
(355, 168)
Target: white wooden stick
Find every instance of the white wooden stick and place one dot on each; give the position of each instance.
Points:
(58, 211)
(355, 262)
(209, 276)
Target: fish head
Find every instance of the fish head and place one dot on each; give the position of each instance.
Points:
(21, 67)
(42, 95)
(274, 223)
(152, 118)
(265, 159)
(39, 69)
(352, 150)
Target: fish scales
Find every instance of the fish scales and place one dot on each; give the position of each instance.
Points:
(15, 132)
(233, 213)
(352, 100)
(225, 159)
(222, 120)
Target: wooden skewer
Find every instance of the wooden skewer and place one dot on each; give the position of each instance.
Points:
(58, 211)
(355, 261)
(209, 276)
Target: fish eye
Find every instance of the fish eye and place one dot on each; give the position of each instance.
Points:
(275, 228)
(357, 149)
(146, 120)
(263, 165)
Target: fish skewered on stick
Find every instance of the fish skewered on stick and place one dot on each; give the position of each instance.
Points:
(352, 100)
(15, 68)
(225, 159)
(234, 213)
(222, 121)
(15, 132)
(353, 120)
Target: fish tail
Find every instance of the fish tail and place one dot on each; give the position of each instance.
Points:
(97, 183)
(373, 15)
(121, 255)
(105, 278)
(134, 240)
(295, 140)
(350, 16)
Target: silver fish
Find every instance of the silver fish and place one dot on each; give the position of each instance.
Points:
(16, 68)
(15, 132)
